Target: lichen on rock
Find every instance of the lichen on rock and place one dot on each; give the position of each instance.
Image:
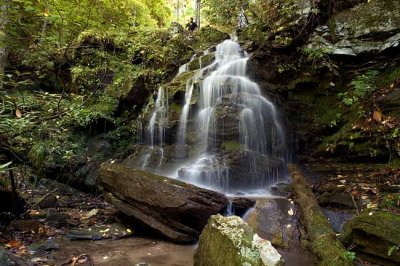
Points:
(231, 241)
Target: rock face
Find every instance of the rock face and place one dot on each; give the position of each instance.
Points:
(367, 28)
(174, 209)
(230, 241)
(376, 235)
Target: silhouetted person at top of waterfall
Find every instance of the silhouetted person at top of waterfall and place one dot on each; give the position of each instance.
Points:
(191, 25)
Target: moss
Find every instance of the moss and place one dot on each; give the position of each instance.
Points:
(231, 146)
(391, 200)
(207, 37)
(375, 233)
(369, 18)
(201, 61)
(230, 241)
(179, 83)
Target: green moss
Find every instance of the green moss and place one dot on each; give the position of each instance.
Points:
(230, 241)
(179, 83)
(374, 233)
(231, 146)
(391, 200)
(207, 37)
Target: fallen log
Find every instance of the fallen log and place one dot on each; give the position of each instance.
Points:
(322, 240)
(175, 209)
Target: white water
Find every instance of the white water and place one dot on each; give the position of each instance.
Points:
(260, 134)
(156, 129)
(231, 109)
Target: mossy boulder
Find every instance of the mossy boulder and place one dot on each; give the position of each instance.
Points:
(231, 241)
(376, 235)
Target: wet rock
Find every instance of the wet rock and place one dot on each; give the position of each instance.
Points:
(113, 231)
(48, 201)
(258, 169)
(245, 169)
(9, 259)
(276, 220)
(49, 245)
(56, 219)
(376, 235)
(337, 218)
(241, 205)
(174, 209)
(202, 61)
(281, 189)
(230, 241)
(337, 198)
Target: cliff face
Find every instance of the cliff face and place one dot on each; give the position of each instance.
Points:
(338, 89)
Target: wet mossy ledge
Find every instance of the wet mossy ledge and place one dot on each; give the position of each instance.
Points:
(321, 239)
(376, 236)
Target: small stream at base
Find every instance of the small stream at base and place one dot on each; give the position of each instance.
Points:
(144, 251)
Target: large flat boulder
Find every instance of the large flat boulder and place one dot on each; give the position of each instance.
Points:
(231, 241)
(175, 209)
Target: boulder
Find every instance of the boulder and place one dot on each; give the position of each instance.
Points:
(276, 220)
(337, 199)
(48, 201)
(231, 241)
(376, 235)
(56, 219)
(174, 209)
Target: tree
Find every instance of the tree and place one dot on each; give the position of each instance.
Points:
(3, 50)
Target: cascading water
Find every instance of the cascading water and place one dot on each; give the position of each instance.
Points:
(240, 142)
(232, 110)
(156, 130)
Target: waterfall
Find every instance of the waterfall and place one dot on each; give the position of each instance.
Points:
(232, 109)
(240, 143)
(156, 130)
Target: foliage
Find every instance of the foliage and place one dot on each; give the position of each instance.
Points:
(350, 255)
(363, 86)
(70, 64)
(4, 167)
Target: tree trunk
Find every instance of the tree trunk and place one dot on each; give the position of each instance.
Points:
(3, 50)
(322, 240)
(198, 3)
